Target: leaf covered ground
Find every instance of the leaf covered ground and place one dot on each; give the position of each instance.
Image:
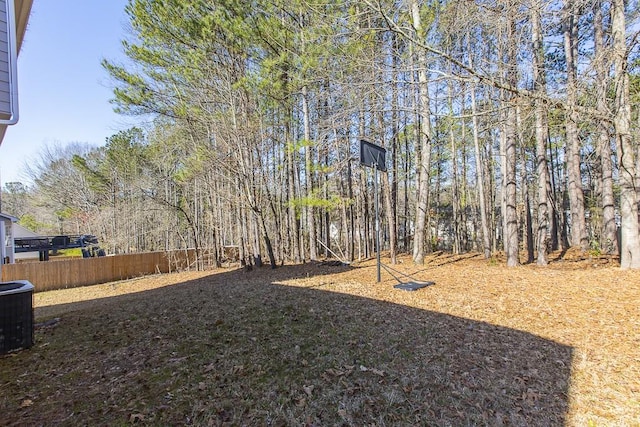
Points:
(323, 345)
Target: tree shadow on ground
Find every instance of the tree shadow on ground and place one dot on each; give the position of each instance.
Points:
(243, 349)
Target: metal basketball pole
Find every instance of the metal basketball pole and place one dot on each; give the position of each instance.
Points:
(373, 156)
(375, 186)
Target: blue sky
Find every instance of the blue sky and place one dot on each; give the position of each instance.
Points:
(63, 91)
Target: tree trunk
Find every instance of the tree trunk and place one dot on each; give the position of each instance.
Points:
(630, 238)
(463, 189)
(558, 233)
(510, 217)
(422, 205)
(293, 229)
(257, 256)
(486, 234)
(541, 132)
(327, 214)
(267, 241)
(392, 213)
(527, 217)
(365, 217)
(308, 174)
(352, 215)
(608, 235)
(391, 222)
(490, 197)
(576, 195)
(455, 196)
(406, 239)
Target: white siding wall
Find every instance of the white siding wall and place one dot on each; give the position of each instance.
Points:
(3, 246)
(5, 89)
(5, 86)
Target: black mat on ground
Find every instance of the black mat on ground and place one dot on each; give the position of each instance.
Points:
(413, 286)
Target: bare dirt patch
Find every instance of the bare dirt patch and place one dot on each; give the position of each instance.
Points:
(327, 345)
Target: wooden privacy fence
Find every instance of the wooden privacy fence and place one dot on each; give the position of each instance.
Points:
(70, 273)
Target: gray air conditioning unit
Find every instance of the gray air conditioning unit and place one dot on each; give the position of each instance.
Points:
(16, 315)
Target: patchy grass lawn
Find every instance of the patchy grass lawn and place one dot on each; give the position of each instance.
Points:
(320, 345)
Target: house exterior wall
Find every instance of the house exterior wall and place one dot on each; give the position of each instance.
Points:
(3, 247)
(7, 245)
(22, 9)
(19, 232)
(6, 106)
(10, 242)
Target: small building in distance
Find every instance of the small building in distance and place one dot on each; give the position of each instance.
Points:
(19, 232)
(7, 246)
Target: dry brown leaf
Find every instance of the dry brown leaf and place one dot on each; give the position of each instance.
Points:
(136, 417)
(333, 372)
(308, 389)
(377, 372)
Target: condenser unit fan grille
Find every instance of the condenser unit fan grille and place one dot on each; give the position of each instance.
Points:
(16, 316)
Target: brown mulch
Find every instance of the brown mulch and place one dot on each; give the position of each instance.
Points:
(318, 344)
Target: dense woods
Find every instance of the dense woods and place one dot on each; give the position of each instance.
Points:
(509, 126)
